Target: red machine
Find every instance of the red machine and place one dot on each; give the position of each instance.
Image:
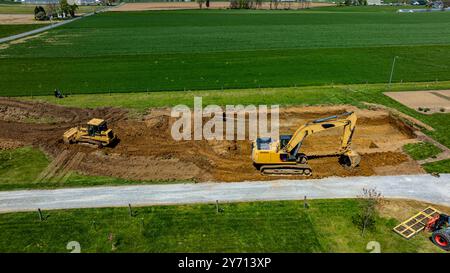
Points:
(440, 226)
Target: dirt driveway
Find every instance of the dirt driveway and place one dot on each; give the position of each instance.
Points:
(437, 101)
(19, 19)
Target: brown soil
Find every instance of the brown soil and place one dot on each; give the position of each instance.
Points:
(13, 19)
(6, 144)
(213, 5)
(15, 117)
(146, 150)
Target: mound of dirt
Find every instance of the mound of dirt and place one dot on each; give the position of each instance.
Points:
(42, 124)
(19, 19)
(147, 151)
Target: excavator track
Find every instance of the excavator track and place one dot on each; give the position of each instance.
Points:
(286, 170)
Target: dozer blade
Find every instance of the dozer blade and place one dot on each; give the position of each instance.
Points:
(286, 170)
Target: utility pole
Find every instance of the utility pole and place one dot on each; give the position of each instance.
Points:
(392, 71)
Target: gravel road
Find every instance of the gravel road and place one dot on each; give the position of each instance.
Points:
(419, 187)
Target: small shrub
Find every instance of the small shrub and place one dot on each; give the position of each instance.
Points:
(39, 13)
(41, 16)
(365, 219)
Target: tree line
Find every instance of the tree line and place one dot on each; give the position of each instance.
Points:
(55, 10)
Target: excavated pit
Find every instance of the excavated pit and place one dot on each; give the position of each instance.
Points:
(147, 151)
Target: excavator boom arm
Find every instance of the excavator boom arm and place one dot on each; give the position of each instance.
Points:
(346, 120)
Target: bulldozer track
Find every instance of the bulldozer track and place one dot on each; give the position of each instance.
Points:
(64, 173)
(58, 170)
(51, 169)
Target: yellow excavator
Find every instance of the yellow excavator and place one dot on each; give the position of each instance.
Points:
(96, 132)
(283, 156)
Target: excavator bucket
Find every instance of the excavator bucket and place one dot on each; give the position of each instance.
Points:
(350, 159)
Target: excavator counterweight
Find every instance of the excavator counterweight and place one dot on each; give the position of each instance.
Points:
(283, 156)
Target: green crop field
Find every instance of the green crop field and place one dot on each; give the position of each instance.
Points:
(8, 30)
(215, 49)
(283, 226)
(365, 8)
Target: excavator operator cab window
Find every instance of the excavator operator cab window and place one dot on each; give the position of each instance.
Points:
(284, 139)
(263, 143)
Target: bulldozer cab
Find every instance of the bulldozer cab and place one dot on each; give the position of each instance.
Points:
(96, 126)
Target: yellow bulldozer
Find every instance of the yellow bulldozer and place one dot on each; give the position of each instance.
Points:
(96, 133)
(283, 156)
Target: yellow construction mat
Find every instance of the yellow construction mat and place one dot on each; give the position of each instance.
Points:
(417, 223)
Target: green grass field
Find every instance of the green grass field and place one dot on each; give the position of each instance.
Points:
(20, 165)
(19, 169)
(8, 30)
(177, 50)
(422, 150)
(283, 226)
(389, 9)
(442, 166)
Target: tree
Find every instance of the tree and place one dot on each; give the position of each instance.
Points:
(107, 2)
(366, 217)
(200, 3)
(445, 3)
(242, 4)
(67, 9)
(72, 9)
(39, 13)
(275, 4)
(52, 10)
